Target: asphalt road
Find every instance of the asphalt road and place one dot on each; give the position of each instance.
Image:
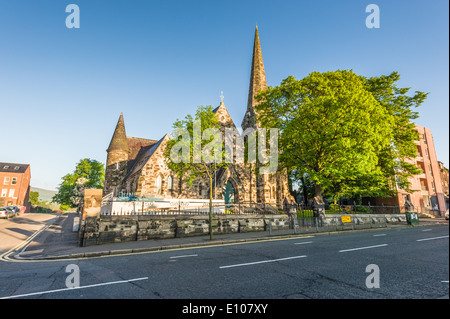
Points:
(413, 263)
(15, 230)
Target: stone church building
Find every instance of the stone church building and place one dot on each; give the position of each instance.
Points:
(137, 165)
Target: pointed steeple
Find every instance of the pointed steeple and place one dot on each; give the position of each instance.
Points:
(257, 82)
(119, 139)
(257, 75)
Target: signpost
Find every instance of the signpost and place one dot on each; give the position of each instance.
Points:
(346, 219)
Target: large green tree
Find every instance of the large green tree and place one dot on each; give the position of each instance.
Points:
(88, 174)
(395, 159)
(196, 150)
(34, 198)
(347, 133)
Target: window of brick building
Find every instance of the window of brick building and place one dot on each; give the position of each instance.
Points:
(14, 181)
(6, 180)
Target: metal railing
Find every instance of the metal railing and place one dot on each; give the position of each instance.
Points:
(357, 209)
(305, 213)
(183, 208)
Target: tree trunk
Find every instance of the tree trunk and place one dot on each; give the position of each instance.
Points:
(318, 192)
(304, 191)
(318, 203)
(210, 209)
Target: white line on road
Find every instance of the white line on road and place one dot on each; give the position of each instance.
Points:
(81, 287)
(426, 229)
(359, 248)
(23, 245)
(378, 235)
(446, 281)
(262, 262)
(30, 252)
(183, 256)
(305, 242)
(432, 238)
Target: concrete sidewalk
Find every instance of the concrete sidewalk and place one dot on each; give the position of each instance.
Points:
(57, 240)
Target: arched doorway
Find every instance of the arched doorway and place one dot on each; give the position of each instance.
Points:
(228, 193)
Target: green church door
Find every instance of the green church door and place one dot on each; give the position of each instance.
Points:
(228, 193)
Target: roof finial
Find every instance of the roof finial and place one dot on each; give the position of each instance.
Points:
(221, 96)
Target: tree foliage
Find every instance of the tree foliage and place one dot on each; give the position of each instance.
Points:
(34, 198)
(88, 174)
(395, 160)
(196, 149)
(349, 134)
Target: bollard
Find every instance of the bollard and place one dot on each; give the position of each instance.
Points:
(270, 227)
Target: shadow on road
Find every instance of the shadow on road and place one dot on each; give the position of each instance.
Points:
(21, 231)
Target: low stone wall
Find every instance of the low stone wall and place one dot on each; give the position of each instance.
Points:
(111, 229)
(364, 219)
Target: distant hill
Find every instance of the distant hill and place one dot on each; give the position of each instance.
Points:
(44, 194)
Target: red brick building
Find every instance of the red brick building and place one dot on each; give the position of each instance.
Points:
(428, 194)
(444, 178)
(445, 182)
(15, 185)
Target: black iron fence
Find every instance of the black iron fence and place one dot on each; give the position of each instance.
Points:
(355, 209)
(305, 213)
(186, 208)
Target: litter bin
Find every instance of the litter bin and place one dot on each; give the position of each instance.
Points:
(412, 219)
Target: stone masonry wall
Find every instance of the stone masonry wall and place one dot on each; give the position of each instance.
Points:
(112, 229)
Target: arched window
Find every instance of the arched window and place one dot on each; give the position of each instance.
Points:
(158, 185)
(169, 183)
(200, 190)
(273, 192)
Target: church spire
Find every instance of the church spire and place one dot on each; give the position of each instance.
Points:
(119, 139)
(257, 82)
(257, 75)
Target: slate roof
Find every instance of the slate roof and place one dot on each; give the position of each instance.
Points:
(13, 167)
(143, 156)
(135, 145)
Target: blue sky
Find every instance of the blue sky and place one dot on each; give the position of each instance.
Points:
(62, 90)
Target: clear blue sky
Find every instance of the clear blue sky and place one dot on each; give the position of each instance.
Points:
(62, 90)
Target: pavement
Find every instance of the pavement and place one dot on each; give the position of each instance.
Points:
(57, 240)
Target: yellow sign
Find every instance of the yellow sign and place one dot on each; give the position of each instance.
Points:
(346, 219)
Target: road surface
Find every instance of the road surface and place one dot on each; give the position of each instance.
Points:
(406, 262)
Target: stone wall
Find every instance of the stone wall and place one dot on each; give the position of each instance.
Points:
(112, 229)
(364, 219)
